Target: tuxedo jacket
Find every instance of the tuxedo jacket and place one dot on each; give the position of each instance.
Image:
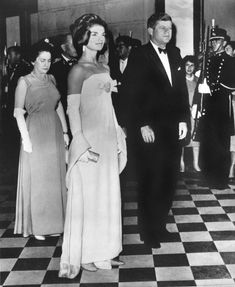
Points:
(119, 99)
(60, 71)
(152, 100)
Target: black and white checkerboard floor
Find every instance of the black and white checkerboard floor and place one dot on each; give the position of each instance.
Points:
(202, 253)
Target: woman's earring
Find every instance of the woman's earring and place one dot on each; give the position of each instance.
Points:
(83, 48)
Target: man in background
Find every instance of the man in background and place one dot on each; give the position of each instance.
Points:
(60, 69)
(15, 67)
(123, 48)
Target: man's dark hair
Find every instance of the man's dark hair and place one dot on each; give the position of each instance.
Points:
(153, 19)
(125, 39)
(63, 39)
(16, 49)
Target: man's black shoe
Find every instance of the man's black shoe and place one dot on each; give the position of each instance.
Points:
(152, 244)
(219, 186)
(165, 235)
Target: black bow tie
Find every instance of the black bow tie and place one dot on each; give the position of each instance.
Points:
(162, 50)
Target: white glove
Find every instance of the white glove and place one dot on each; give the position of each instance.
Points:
(66, 139)
(204, 88)
(85, 156)
(19, 115)
(73, 112)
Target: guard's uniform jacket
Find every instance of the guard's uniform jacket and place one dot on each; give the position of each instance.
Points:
(218, 122)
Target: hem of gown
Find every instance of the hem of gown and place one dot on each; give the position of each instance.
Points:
(109, 257)
(26, 234)
(70, 271)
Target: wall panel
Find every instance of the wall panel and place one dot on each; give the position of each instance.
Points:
(122, 16)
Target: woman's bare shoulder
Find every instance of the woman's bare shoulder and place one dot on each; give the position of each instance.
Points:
(80, 70)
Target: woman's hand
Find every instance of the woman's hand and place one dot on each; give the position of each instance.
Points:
(27, 145)
(66, 140)
(84, 157)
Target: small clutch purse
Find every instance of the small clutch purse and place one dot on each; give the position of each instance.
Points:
(93, 156)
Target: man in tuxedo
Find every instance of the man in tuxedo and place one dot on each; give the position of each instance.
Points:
(123, 45)
(62, 66)
(159, 109)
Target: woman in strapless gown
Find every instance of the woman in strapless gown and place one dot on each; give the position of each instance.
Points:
(41, 190)
(93, 231)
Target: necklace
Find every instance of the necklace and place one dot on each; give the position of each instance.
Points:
(44, 79)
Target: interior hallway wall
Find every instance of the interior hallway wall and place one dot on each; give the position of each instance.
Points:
(224, 14)
(181, 12)
(122, 16)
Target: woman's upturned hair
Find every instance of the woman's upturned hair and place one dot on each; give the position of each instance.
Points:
(80, 30)
(41, 46)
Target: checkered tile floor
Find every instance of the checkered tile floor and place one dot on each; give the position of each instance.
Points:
(202, 253)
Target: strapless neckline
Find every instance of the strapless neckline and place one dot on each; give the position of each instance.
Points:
(96, 74)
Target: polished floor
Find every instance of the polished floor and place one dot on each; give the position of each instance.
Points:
(202, 253)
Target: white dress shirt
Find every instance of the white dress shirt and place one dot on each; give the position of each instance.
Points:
(66, 59)
(165, 61)
(123, 64)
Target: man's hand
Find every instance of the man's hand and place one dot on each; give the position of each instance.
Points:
(182, 130)
(147, 134)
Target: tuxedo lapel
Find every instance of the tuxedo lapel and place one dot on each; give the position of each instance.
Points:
(171, 57)
(156, 62)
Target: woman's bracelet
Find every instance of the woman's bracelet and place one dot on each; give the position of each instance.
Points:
(65, 133)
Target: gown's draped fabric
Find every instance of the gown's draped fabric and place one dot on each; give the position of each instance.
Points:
(41, 190)
(93, 217)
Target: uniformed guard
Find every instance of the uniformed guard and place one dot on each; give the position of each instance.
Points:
(218, 115)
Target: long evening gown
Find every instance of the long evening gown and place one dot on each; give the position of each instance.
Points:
(93, 217)
(41, 190)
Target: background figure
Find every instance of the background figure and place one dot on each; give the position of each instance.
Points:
(159, 109)
(123, 49)
(60, 69)
(92, 233)
(123, 46)
(16, 67)
(135, 43)
(41, 191)
(230, 48)
(232, 143)
(218, 123)
(189, 68)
